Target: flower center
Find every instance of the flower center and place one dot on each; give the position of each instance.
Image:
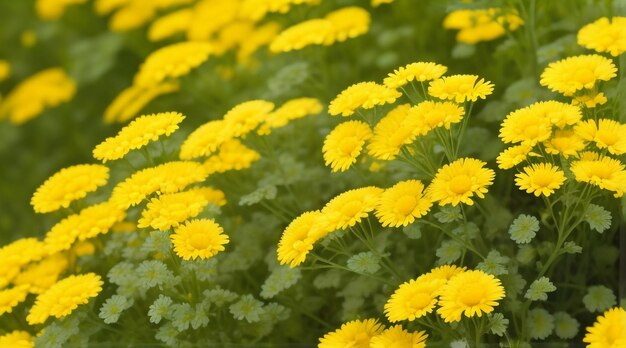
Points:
(405, 205)
(348, 145)
(542, 179)
(419, 301)
(351, 208)
(472, 296)
(609, 138)
(199, 241)
(585, 76)
(461, 184)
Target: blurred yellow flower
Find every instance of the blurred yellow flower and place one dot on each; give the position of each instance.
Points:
(604, 35)
(199, 239)
(470, 293)
(172, 62)
(460, 88)
(364, 95)
(540, 179)
(397, 337)
(609, 330)
(354, 334)
(418, 72)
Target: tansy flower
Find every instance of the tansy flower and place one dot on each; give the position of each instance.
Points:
(607, 134)
(419, 72)
(590, 100)
(470, 293)
(540, 179)
(38, 277)
(9, 298)
(45, 89)
(232, 155)
(131, 100)
(310, 32)
(68, 185)
(137, 134)
(364, 95)
(169, 210)
(348, 208)
(609, 330)
(482, 24)
(397, 337)
(513, 156)
(460, 88)
(299, 237)
(245, 117)
(170, 24)
(602, 171)
(413, 299)
(172, 62)
(289, 111)
(565, 143)
(261, 36)
(343, 144)
(392, 132)
(354, 334)
(604, 35)
(17, 339)
(200, 238)
(429, 115)
(402, 203)
(348, 22)
(459, 181)
(205, 140)
(569, 75)
(64, 297)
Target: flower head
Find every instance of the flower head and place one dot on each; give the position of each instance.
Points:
(355, 334)
(310, 32)
(129, 102)
(200, 238)
(604, 35)
(364, 95)
(17, 339)
(245, 117)
(344, 144)
(605, 172)
(289, 111)
(540, 179)
(470, 293)
(609, 331)
(348, 208)
(173, 61)
(460, 88)
(414, 299)
(402, 203)
(419, 72)
(429, 115)
(392, 132)
(9, 298)
(299, 237)
(513, 156)
(459, 181)
(348, 22)
(565, 143)
(570, 75)
(397, 337)
(606, 133)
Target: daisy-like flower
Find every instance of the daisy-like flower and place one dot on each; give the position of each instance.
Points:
(540, 179)
(232, 155)
(9, 298)
(347, 23)
(289, 111)
(68, 185)
(565, 143)
(205, 140)
(460, 88)
(299, 237)
(245, 117)
(17, 339)
(482, 24)
(429, 115)
(344, 144)
(445, 272)
(396, 336)
(459, 181)
(354, 334)
(200, 238)
(607, 134)
(513, 156)
(604, 35)
(470, 293)
(392, 132)
(402, 203)
(419, 72)
(64, 297)
(138, 134)
(570, 75)
(172, 62)
(348, 208)
(414, 299)
(605, 172)
(364, 95)
(38, 277)
(311, 32)
(169, 210)
(609, 330)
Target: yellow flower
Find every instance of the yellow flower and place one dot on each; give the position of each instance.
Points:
(132, 15)
(299, 237)
(413, 299)
(481, 25)
(419, 72)
(53, 9)
(171, 62)
(40, 276)
(347, 23)
(5, 70)
(205, 140)
(353, 334)
(460, 88)
(171, 209)
(296, 37)
(245, 117)
(569, 75)
(257, 9)
(200, 238)
(444, 272)
(64, 297)
(45, 89)
(470, 293)
(402, 203)
(170, 24)
(604, 35)
(232, 155)
(9, 298)
(513, 156)
(131, 100)
(609, 330)
(137, 134)
(205, 24)
(392, 132)
(602, 171)
(289, 111)
(397, 337)
(459, 181)
(169, 177)
(429, 115)
(22, 251)
(590, 100)
(261, 36)
(17, 339)
(364, 95)
(348, 208)
(343, 144)
(607, 134)
(68, 185)
(564, 142)
(540, 179)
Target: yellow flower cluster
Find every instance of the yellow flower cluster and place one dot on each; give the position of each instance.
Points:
(137, 134)
(131, 14)
(402, 203)
(369, 333)
(199, 239)
(10, 298)
(45, 89)
(482, 25)
(604, 35)
(336, 26)
(457, 291)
